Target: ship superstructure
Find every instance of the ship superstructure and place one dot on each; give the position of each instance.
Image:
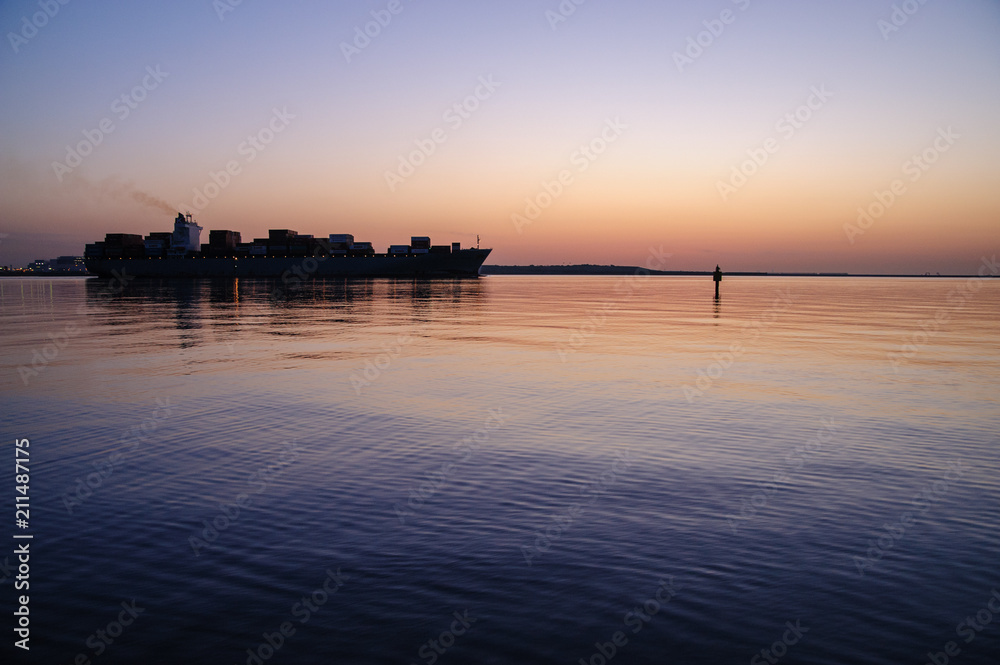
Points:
(180, 253)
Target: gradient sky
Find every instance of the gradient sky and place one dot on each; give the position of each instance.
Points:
(682, 130)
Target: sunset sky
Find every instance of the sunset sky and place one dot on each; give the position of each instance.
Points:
(653, 134)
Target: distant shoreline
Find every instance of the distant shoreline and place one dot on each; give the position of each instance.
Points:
(588, 269)
(581, 269)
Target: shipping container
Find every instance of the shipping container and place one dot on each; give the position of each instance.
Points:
(223, 239)
(123, 240)
(156, 246)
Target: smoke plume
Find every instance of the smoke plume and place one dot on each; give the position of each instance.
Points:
(121, 190)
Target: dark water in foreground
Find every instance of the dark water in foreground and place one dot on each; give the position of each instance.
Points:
(508, 470)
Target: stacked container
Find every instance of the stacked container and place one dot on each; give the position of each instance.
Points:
(157, 243)
(420, 244)
(340, 243)
(124, 246)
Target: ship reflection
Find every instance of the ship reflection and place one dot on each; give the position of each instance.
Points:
(223, 306)
(261, 291)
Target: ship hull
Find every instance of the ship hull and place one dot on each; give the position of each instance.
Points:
(460, 263)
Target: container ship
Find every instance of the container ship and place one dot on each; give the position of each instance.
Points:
(284, 252)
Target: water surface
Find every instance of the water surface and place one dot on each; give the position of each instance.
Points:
(551, 458)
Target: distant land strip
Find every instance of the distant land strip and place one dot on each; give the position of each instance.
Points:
(589, 269)
(580, 269)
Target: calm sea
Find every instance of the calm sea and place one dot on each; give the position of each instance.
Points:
(508, 470)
